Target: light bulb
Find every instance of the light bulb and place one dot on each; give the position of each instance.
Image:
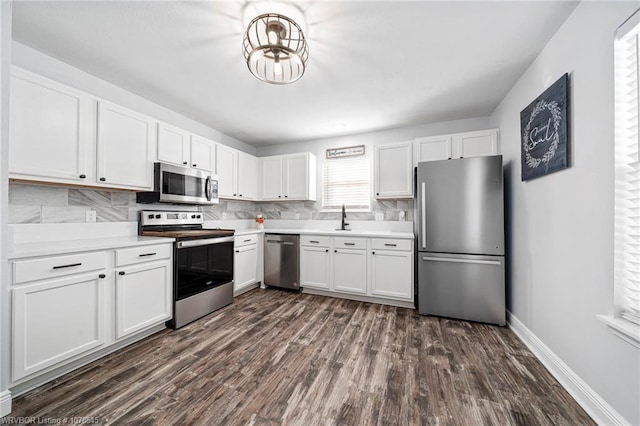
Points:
(277, 67)
(273, 37)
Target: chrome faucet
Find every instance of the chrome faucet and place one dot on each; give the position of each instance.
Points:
(343, 225)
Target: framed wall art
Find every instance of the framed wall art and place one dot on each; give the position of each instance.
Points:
(544, 129)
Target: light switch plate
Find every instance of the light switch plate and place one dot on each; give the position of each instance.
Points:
(379, 216)
(90, 216)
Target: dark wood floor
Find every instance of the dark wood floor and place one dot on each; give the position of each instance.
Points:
(275, 357)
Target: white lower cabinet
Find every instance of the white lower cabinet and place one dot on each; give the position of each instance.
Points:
(65, 307)
(143, 297)
(373, 268)
(245, 268)
(391, 273)
(55, 320)
(314, 267)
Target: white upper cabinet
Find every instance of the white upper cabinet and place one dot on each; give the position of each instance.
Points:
(247, 176)
(476, 144)
(459, 145)
(173, 145)
(237, 174)
(227, 168)
(177, 146)
(434, 148)
(125, 147)
(394, 170)
(62, 135)
(272, 177)
(52, 130)
(288, 177)
(203, 154)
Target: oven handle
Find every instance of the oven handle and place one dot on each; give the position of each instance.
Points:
(203, 242)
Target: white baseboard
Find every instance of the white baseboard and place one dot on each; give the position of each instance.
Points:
(595, 406)
(5, 403)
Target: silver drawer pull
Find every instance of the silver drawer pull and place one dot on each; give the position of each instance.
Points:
(247, 240)
(349, 244)
(67, 266)
(315, 242)
(390, 245)
(455, 260)
(147, 254)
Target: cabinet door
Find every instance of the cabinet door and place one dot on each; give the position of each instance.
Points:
(350, 271)
(434, 148)
(391, 274)
(246, 266)
(143, 297)
(314, 267)
(296, 177)
(173, 145)
(476, 144)
(247, 176)
(271, 178)
(203, 154)
(227, 169)
(56, 320)
(125, 147)
(52, 130)
(394, 170)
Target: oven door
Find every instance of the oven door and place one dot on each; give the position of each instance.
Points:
(183, 185)
(203, 264)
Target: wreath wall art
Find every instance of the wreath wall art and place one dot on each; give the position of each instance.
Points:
(544, 129)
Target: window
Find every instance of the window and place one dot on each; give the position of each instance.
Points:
(346, 181)
(627, 171)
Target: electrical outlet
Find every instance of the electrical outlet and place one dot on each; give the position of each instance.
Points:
(379, 216)
(402, 215)
(90, 216)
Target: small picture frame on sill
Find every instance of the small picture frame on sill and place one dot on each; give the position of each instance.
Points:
(544, 130)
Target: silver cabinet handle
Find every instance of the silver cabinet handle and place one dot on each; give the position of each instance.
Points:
(247, 240)
(452, 260)
(423, 216)
(390, 245)
(147, 254)
(314, 242)
(349, 244)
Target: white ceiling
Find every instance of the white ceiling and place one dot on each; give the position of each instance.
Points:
(373, 65)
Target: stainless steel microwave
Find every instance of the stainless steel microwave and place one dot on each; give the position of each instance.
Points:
(181, 185)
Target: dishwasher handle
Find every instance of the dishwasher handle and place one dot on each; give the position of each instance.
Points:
(286, 243)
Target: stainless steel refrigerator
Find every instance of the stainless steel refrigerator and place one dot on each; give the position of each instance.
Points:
(459, 225)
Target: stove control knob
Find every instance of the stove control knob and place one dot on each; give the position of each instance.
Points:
(193, 216)
(158, 216)
(198, 216)
(150, 216)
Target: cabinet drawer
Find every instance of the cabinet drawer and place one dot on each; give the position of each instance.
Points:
(51, 267)
(143, 254)
(390, 244)
(245, 240)
(314, 241)
(350, 243)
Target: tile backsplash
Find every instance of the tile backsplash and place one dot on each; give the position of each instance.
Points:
(50, 204)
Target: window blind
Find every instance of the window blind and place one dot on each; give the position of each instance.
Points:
(627, 170)
(346, 181)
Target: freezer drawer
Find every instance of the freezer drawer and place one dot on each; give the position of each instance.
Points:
(466, 287)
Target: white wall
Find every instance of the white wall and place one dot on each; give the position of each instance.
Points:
(39, 63)
(561, 226)
(5, 61)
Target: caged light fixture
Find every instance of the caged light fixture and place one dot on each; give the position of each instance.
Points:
(275, 49)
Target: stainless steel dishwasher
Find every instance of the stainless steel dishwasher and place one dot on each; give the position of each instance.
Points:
(282, 260)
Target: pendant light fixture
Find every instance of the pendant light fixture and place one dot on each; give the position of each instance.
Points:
(275, 49)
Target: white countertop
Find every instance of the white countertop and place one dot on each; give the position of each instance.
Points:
(329, 232)
(18, 251)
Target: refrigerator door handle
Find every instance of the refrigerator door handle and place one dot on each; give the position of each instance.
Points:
(423, 213)
(456, 260)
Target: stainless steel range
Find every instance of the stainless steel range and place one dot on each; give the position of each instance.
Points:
(202, 262)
